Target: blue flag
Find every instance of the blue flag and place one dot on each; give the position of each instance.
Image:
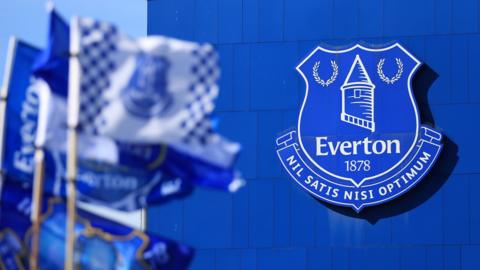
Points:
(100, 243)
(131, 177)
(117, 186)
(122, 174)
(21, 112)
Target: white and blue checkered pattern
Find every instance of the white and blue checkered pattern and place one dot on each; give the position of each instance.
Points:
(103, 53)
(97, 63)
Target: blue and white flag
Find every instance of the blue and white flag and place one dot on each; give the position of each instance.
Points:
(147, 91)
(151, 90)
(119, 175)
(21, 113)
(119, 186)
(100, 243)
(101, 62)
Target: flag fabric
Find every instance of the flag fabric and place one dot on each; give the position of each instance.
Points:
(151, 90)
(206, 158)
(21, 112)
(120, 187)
(100, 243)
(147, 91)
(119, 175)
(54, 57)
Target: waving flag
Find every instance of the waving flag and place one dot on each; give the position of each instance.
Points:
(21, 111)
(120, 187)
(101, 244)
(206, 158)
(151, 90)
(148, 91)
(119, 175)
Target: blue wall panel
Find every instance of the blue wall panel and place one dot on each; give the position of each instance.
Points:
(208, 229)
(204, 259)
(260, 224)
(345, 28)
(470, 259)
(230, 21)
(302, 24)
(228, 259)
(413, 258)
(459, 57)
(240, 219)
(302, 211)
(273, 223)
(370, 18)
(206, 20)
(434, 258)
(282, 216)
(175, 18)
(319, 258)
(268, 76)
(473, 60)
(443, 17)
(452, 258)
(474, 205)
(465, 16)
(241, 83)
(456, 217)
(250, 20)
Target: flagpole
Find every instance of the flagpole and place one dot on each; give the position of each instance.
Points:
(71, 198)
(72, 121)
(38, 182)
(12, 46)
(143, 219)
(37, 192)
(38, 173)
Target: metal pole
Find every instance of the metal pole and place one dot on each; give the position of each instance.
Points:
(12, 45)
(143, 221)
(37, 195)
(71, 199)
(38, 181)
(72, 121)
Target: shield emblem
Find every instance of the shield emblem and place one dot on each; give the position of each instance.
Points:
(359, 120)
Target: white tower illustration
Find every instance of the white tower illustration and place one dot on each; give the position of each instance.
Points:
(358, 97)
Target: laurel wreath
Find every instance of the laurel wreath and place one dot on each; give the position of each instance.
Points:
(331, 79)
(394, 78)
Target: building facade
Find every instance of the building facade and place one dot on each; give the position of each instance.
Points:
(273, 223)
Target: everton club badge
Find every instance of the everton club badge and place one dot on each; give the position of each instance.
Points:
(359, 140)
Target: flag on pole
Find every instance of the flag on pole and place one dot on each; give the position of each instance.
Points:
(119, 175)
(117, 186)
(147, 91)
(151, 90)
(182, 164)
(120, 187)
(101, 244)
(20, 123)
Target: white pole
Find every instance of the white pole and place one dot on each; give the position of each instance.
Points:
(37, 192)
(12, 46)
(143, 219)
(72, 119)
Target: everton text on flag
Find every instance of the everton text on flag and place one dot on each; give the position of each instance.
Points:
(128, 177)
(101, 244)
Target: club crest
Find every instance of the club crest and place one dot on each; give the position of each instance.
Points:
(359, 140)
(146, 94)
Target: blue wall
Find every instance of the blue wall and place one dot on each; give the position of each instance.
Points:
(273, 224)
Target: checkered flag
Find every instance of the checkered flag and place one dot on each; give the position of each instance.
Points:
(118, 79)
(96, 61)
(144, 114)
(151, 90)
